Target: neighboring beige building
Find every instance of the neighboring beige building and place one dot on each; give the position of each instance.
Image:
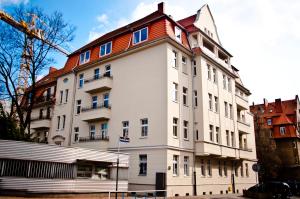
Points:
(171, 88)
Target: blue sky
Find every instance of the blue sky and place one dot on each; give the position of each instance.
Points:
(262, 35)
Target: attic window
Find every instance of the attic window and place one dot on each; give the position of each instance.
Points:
(269, 121)
(85, 57)
(178, 34)
(140, 35)
(282, 130)
(105, 49)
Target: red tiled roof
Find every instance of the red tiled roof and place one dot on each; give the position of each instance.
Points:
(187, 21)
(282, 119)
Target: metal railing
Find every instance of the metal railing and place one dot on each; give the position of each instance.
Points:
(93, 138)
(43, 117)
(97, 77)
(139, 194)
(98, 106)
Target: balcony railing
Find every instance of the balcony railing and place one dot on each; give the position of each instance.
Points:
(44, 117)
(44, 100)
(97, 77)
(245, 149)
(93, 138)
(243, 122)
(99, 106)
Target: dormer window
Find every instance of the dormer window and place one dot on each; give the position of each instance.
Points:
(140, 35)
(105, 49)
(282, 130)
(269, 121)
(178, 33)
(85, 57)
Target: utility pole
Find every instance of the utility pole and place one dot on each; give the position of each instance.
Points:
(117, 177)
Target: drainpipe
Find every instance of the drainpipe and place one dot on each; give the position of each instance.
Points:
(193, 120)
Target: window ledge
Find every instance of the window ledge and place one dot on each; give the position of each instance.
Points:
(142, 175)
(143, 137)
(175, 137)
(185, 139)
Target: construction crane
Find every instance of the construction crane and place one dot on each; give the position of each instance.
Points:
(32, 33)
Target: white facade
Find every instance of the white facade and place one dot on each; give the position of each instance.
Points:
(174, 113)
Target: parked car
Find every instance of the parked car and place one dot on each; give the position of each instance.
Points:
(295, 187)
(273, 189)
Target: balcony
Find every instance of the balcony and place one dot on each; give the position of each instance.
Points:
(98, 84)
(93, 138)
(243, 126)
(44, 101)
(241, 102)
(245, 153)
(203, 148)
(42, 122)
(100, 112)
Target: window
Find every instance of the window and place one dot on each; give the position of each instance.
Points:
(48, 112)
(197, 135)
(214, 75)
(202, 168)
(94, 102)
(78, 106)
(41, 114)
(175, 127)
(236, 169)
(210, 102)
(48, 94)
(224, 82)
(195, 98)
(217, 135)
(178, 33)
(107, 71)
(104, 130)
(81, 80)
(175, 92)
(143, 165)
(106, 100)
(226, 109)
(208, 72)
(225, 168)
(245, 143)
(247, 169)
(242, 170)
(184, 97)
(67, 94)
(229, 84)
(84, 57)
(97, 73)
(175, 165)
(105, 49)
(220, 168)
(58, 122)
(125, 129)
(230, 111)
(186, 165)
(211, 131)
(174, 65)
(209, 167)
(144, 124)
(269, 121)
(185, 129)
(92, 132)
(84, 171)
(227, 137)
(64, 121)
(140, 35)
(216, 104)
(232, 139)
(184, 65)
(282, 130)
(76, 135)
(194, 68)
(61, 96)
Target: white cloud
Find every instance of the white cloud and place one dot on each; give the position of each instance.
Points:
(102, 19)
(94, 35)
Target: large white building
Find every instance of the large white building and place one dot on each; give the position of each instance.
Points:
(171, 88)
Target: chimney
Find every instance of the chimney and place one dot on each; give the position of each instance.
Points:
(265, 103)
(278, 106)
(161, 7)
(52, 69)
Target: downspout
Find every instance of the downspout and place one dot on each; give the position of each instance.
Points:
(193, 120)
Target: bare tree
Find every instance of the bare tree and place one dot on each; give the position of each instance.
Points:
(17, 47)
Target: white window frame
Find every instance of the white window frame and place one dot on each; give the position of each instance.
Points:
(185, 96)
(208, 72)
(217, 134)
(282, 130)
(175, 165)
(143, 164)
(229, 84)
(226, 108)
(185, 130)
(210, 103)
(85, 60)
(125, 128)
(269, 122)
(78, 106)
(94, 101)
(230, 111)
(144, 127)
(186, 171)
(175, 127)
(178, 32)
(104, 131)
(216, 104)
(211, 133)
(92, 131)
(174, 65)
(81, 80)
(140, 36)
(175, 92)
(224, 82)
(105, 49)
(215, 79)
